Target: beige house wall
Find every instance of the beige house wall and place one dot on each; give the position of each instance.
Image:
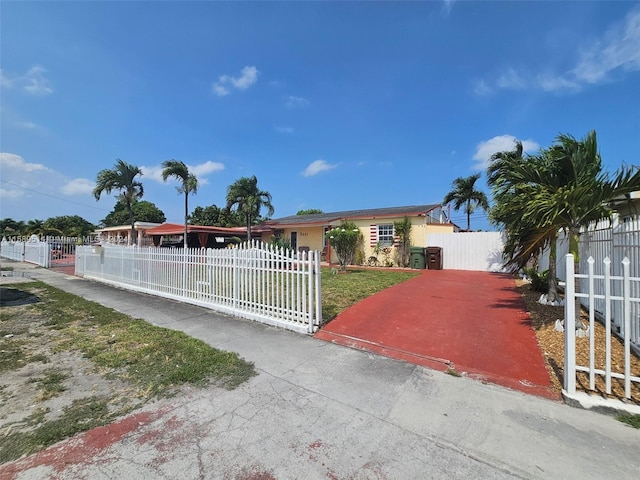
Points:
(313, 236)
(437, 228)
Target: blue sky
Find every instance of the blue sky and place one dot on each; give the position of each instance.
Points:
(332, 105)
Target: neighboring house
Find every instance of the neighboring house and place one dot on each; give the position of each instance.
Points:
(376, 225)
(198, 236)
(628, 210)
(121, 234)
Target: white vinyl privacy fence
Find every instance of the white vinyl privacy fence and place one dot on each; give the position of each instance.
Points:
(479, 251)
(256, 281)
(616, 295)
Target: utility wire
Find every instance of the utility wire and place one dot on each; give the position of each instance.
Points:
(53, 196)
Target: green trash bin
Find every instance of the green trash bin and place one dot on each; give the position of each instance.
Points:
(418, 259)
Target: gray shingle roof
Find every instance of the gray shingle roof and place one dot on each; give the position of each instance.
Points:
(326, 218)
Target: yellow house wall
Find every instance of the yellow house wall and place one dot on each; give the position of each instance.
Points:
(419, 230)
(437, 228)
(307, 236)
(312, 237)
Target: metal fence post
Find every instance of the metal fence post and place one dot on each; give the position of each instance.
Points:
(570, 328)
(626, 295)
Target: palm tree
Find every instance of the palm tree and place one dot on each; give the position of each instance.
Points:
(35, 227)
(123, 178)
(588, 193)
(178, 170)
(248, 200)
(465, 194)
(402, 229)
(562, 189)
(514, 180)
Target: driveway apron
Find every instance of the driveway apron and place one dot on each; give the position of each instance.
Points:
(473, 323)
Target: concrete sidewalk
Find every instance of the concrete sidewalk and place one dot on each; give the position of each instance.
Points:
(319, 410)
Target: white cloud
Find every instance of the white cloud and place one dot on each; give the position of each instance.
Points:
(8, 193)
(617, 51)
(292, 101)
(5, 82)
(21, 178)
(447, 6)
(248, 76)
(620, 49)
(500, 143)
(200, 171)
(287, 130)
(78, 186)
(482, 89)
(16, 162)
(154, 173)
(220, 90)
(511, 80)
(33, 81)
(316, 167)
(206, 168)
(551, 83)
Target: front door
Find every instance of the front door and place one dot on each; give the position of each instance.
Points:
(294, 241)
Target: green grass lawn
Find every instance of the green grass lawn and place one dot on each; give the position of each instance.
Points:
(146, 362)
(340, 291)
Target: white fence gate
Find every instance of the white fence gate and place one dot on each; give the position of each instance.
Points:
(255, 281)
(616, 290)
(30, 251)
(480, 251)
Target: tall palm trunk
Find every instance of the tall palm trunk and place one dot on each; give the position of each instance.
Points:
(132, 223)
(248, 227)
(574, 249)
(186, 218)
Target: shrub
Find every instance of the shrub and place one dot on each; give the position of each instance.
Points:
(539, 281)
(344, 241)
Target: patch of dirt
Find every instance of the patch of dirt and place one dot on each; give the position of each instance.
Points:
(551, 343)
(28, 350)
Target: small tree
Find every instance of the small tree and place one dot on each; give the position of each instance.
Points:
(344, 240)
(402, 229)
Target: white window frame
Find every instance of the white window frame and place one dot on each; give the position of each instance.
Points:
(385, 238)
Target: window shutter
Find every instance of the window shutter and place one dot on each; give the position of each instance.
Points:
(373, 235)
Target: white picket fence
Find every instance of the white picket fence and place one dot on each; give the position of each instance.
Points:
(256, 281)
(616, 290)
(31, 250)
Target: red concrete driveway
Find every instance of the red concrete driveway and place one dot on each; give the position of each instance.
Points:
(473, 322)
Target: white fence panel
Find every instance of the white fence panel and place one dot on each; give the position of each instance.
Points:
(480, 251)
(614, 240)
(30, 251)
(629, 321)
(256, 281)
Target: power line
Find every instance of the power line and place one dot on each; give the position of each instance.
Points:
(53, 196)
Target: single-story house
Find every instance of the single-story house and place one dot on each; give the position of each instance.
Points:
(376, 226)
(121, 234)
